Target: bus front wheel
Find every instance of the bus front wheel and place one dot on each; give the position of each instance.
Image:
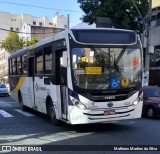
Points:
(52, 113)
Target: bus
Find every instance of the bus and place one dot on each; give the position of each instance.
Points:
(80, 76)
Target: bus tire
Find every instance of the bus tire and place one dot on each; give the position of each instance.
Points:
(52, 113)
(22, 106)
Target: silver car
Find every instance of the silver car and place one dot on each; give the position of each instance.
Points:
(4, 91)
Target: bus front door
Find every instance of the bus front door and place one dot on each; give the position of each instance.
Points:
(31, 81)
(63, 87)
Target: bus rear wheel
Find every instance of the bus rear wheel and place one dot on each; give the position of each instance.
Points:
(52, 113)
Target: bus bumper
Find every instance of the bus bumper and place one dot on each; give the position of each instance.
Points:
(78, 116)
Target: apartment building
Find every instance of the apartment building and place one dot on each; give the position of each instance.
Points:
(154, 64)
(29, 25)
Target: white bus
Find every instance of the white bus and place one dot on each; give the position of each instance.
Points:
(80, 76)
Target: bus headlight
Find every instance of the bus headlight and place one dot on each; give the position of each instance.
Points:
(135, 102)
(140, 98)
(77, 103)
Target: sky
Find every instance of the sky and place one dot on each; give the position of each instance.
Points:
(45, 8)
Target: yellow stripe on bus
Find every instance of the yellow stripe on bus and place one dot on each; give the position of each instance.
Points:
(20, 83)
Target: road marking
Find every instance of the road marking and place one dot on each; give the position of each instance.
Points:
(24, 113)
(5, 104)
(41, 139)
(5, 114)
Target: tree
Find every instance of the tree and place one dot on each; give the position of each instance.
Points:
(12, 43)
(28, 42)
(122, 12)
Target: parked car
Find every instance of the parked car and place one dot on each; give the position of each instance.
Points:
(151, 101)
(4, 91)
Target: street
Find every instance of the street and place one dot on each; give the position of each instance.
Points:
(32, 128)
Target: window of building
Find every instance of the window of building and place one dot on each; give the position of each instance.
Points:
(39, 62)
(65, 26)
(158, 15)
(24, 64)
(153, 17)
(34, 22)
(50, 23)
(17, 29)
(40, 23)
(48, 60)
(11, 28)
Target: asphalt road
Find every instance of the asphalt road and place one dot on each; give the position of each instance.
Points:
(31, 128)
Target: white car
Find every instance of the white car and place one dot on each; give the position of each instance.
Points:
(4, 91)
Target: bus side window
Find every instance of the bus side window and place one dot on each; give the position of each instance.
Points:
(19, 65)
(24, 64)
(14, 65)
(10, 67)
(48, 60)
(39, 62)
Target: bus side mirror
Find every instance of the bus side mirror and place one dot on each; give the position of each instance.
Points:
(64, 61)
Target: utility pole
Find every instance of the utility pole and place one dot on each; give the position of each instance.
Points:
(68, 22)
(148, 45)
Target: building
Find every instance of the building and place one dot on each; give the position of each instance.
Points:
(39, 27)
(155, 3)
(40, 32)
(16, 22)
(154, 55)
(3, 63)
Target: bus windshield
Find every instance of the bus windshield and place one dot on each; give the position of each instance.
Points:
(106, 68)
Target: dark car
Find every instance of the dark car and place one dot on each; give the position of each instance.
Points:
(4, 91)
(151, 101)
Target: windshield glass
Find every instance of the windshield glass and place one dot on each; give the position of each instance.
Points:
(153, 92)
(106, 68)
(2, 86)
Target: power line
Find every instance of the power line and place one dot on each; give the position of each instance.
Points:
(138, 11)
(39, 7)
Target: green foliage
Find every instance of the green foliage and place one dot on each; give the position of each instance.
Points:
(122, 12)
(29, 43)
(12, 43)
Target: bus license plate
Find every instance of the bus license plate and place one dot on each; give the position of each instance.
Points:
(109, 112)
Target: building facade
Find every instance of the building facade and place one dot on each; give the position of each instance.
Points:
(28, 27)
(154, 64)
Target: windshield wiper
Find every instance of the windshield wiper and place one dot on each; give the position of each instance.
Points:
(120, 56)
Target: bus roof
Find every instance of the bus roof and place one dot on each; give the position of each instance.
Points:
(61, 35)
